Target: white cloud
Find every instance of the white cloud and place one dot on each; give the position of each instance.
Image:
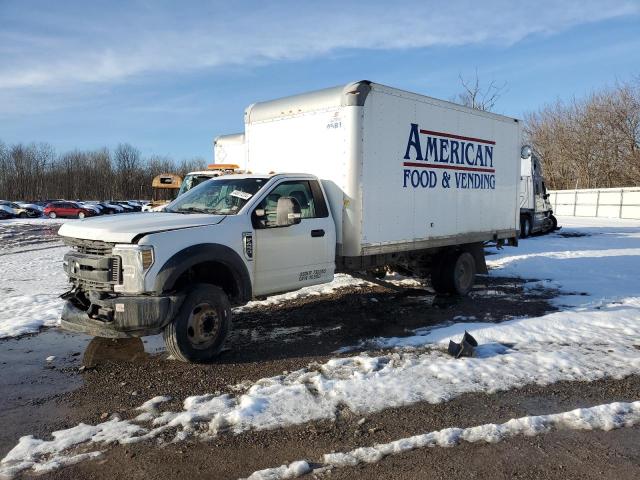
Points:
(110, 46)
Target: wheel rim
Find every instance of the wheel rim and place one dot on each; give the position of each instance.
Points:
(81, 215)
(464, 273)
(203, 326)
(52, 215)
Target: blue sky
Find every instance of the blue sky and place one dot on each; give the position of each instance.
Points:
(170, 76)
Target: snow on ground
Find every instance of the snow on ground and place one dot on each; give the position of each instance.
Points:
(30, 284)
(598, 337)
(602, 417)
(604, 263)
(340, 280)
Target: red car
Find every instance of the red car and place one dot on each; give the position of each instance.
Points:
(67, 209)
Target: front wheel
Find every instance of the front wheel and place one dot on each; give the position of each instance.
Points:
(52, 214)
(81, 215)
(23, 215)
(198, 332)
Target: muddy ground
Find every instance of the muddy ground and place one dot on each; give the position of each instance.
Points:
(92, 379)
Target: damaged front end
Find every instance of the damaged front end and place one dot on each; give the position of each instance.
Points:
(100, 272)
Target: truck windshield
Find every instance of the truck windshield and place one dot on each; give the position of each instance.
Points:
(223, 196)
(193, 180)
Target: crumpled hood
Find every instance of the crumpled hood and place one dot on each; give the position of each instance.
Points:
(123, 228)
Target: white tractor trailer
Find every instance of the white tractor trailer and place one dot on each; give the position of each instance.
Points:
(360, 178)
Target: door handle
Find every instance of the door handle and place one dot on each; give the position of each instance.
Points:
(317, 233)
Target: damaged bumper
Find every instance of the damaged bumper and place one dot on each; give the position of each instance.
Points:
(120, 317)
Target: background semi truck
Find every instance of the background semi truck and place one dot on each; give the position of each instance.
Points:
(536, 213)
(388, 180)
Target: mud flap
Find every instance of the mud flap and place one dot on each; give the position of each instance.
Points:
(464, 348)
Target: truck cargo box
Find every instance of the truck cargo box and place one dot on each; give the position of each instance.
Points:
(402, 171)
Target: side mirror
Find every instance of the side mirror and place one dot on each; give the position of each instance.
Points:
(288, 212)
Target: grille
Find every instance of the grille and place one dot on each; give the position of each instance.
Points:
(91, 247)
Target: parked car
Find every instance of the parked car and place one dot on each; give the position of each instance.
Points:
(32, 209)
(137, 206)
(112, 207)
(96, 209)
(14, 209)
(67, 209)
(125, 205)
(6, 213)
(44, 203)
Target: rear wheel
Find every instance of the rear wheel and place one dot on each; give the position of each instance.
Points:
(554, 223)
(23, 215)
(460, 274)
(52, 215)
(80, 215)
(456, 274)
(198, 332)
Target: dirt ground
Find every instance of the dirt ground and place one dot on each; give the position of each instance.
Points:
(93, 379)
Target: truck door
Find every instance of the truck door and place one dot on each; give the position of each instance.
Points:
(288, 258)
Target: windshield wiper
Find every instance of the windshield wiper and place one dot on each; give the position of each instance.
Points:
(192, 210)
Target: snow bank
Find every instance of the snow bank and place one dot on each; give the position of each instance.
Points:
(30, 284)
(602, 417)
(340, 280)
(44, 455)
(293, 470)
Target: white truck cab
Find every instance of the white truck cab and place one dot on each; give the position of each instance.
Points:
(391, 180)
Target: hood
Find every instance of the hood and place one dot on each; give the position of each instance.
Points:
(124, 228)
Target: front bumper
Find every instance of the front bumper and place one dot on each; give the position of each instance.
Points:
(122, 317)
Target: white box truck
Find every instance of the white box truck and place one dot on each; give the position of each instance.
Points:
(229, 154)
(387, 180)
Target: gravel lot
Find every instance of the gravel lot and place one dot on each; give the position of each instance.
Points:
(91, 380)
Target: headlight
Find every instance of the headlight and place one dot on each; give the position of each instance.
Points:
(136, 260)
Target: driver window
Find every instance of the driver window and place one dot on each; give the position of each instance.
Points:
(300, 190)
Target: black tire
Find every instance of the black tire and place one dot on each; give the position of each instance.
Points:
(202, 324)
(23, 215)
(525, 226)
(459, 273)
(554, 223)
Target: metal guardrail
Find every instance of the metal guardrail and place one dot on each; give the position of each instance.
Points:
(597, 202)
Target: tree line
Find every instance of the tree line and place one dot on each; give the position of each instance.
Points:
(593, 142)
(36, 172)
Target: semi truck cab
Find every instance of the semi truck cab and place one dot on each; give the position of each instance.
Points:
(536, 212)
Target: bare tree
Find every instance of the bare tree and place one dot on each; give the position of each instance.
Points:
(36, 172)
(474, 95)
